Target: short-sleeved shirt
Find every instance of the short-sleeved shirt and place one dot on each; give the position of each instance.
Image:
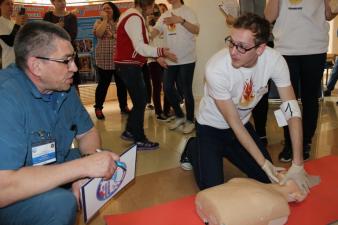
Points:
(177, 38)
(25, 114)
(244, 86)
(8, 56)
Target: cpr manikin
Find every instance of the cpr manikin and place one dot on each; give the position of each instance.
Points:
(244, 201)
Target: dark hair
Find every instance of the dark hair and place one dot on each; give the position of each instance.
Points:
(116, 11)
(143, 3)
(37, 38)
(259, 26)
(163, 5)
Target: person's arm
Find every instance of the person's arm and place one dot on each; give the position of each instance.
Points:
(71, 26)
(174, 19)
(329, 15)
(271, 11)
(89, 141)
(9, 39)
(29, 181)
(100, 26)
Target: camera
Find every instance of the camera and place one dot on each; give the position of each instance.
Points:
(22, 11)
(157, 14)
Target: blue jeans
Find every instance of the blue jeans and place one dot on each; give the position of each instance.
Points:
(132, 77)
(211, 145)
(55, 207)
(333, 77)
(182, 76)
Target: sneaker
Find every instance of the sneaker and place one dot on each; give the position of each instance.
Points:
(188, 127)
(147, 145)
(285, 155)
(162, 117)
(125, 111)
(127, 136)
(176, 123)
(99, 114)
(150, 107)
(185, 161)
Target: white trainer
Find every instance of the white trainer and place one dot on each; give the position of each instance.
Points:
(188, 127)
(176, 123)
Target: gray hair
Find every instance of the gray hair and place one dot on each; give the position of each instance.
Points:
(36, 39)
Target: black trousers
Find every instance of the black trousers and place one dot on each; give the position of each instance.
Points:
(306, 72)
(132, 77)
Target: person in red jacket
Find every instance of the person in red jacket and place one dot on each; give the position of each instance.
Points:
(132, 50)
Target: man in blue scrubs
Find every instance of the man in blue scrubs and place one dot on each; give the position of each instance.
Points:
(40, 115)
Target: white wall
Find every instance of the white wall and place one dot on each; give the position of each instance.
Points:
(333, 46)
(211, 38)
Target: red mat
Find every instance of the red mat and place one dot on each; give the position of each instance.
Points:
(319, 208)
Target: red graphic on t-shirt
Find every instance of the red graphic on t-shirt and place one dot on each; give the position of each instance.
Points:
(247, 94)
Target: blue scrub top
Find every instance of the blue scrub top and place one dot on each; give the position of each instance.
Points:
(27, 117)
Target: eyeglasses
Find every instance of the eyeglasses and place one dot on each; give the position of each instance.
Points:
(68, 61)
(239, 47)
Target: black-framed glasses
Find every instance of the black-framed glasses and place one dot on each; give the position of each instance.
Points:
(68, 61)
(239, 47)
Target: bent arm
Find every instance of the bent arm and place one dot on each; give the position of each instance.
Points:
(9, 39)
(329, 15)
(100, 28)
(271, 11)
(294, 126)
(192, 28)
(89, 141)
(230, 114)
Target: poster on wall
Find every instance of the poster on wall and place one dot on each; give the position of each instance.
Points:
(85, 42)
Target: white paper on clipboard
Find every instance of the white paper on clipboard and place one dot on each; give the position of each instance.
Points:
(230, 7)
(96, 192)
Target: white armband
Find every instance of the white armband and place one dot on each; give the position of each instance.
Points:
(290, 109)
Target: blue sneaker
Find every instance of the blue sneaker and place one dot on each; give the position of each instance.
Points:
(127, 136)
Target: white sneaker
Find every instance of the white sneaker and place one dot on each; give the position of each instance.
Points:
(188, 127)
(176, 123)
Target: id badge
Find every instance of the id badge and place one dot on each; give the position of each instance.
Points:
(43, 153)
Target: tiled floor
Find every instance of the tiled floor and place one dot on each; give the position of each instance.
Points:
(159, 178)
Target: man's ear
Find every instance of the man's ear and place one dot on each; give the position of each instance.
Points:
(34, 65)
(260, 49)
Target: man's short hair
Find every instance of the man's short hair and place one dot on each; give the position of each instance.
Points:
(36, 39)
(144, 3)
(259, 26)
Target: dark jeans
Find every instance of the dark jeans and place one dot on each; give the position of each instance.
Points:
(211, 145)
(260, 114)
(156, 74)
(105, 77)
(306, 72)
(132, 77)
(146, 77)
(182, 76)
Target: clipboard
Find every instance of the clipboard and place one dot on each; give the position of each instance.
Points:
(229, 7)
(96, 192)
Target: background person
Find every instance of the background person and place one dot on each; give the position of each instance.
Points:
(179, 27)
(8, 30)
(105, 32)
(295, 20)
(132, 48)
(39, 172)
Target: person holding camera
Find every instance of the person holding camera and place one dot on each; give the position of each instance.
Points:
(8, 29)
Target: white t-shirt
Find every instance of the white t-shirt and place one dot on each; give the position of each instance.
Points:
(177, 38)
(245, 86)
(6, 27)
(301, 28)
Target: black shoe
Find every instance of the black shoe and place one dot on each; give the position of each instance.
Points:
(150, 107)
(125, 111)
(306, 152)
(285, 155)
(162, 117)
(99, 114)
(126, 135)
(327, 93)
(185, 161)
(147, 145)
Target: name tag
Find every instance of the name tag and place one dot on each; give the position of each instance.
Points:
(43, 153)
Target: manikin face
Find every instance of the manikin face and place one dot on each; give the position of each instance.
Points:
(57, 76)
(107, 9)
(6, 8)
(245, 39)
(59, 4)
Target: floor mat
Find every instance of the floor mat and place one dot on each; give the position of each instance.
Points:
(319, 208)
